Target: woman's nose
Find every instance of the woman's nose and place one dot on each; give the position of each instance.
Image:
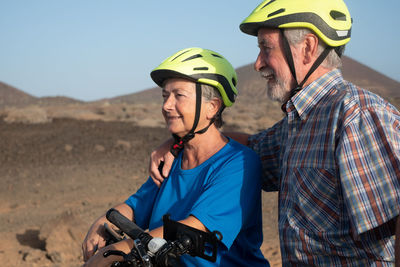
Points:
(168, 103)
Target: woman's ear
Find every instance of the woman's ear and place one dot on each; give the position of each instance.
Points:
(212, 107)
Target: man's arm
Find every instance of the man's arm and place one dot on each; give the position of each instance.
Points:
(162, 154)
(241, 138)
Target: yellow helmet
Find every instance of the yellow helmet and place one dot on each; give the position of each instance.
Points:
(328, 19)
(200, 66)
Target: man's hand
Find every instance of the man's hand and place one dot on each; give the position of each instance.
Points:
(161, 154)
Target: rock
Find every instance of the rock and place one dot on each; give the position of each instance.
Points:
(35, 257)
(99, 148)
(122, 144)
(64, 236)
(68, 147)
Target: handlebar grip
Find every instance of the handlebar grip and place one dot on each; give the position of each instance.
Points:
(123, 223)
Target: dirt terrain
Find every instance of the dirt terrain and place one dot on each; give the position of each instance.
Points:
(64, 162)
(58, 177)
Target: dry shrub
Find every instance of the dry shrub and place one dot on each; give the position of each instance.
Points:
(28, 115)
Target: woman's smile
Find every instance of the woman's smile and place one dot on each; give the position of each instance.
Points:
(172, 118)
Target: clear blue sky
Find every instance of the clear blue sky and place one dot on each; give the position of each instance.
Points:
(94, 49)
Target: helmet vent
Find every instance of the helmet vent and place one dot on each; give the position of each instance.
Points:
(233, 81)
(201, 68)
(180, 55)
(216, 55)
(342, 33)
(336, 15)
(192, 57)
(276, 12)
(268, 3)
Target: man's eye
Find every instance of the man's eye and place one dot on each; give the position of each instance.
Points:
(178, 94)
(266, 50)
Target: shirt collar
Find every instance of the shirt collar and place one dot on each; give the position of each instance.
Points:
(306, 99)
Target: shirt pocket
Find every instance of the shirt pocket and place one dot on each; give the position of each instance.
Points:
(314, 199)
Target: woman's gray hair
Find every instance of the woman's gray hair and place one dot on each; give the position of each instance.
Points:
(297, 35)
(209, 93)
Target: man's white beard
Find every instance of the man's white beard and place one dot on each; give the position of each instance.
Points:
(279, 90)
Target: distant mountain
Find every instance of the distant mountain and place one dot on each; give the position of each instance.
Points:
(57, 101)
(145, 96)
(252, 86)
(365, 77)
(13, 97)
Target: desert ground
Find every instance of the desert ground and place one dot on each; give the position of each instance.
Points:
(58, 176)
(64, 162)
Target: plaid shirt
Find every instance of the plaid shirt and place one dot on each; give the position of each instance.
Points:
(335, 160)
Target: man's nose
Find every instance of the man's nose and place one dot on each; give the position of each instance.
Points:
(260, 63)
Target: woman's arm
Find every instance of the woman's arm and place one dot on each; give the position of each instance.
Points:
(189, 221)
(126, 245)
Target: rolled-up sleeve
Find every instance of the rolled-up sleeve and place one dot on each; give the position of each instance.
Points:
(368, 155)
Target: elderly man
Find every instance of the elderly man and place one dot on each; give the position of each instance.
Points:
(335, 156)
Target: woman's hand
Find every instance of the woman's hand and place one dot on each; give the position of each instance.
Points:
(95, 238)
(98, 260)
(161, 154)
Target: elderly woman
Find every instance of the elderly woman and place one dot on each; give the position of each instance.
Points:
(214, 184)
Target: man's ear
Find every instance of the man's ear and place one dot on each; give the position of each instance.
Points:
(212, 107)
(310, 48)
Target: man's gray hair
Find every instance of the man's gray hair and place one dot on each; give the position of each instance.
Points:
(297, 35)
(210, 92)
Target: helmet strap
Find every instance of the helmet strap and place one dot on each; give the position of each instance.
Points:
(179, 142)
(289, 58)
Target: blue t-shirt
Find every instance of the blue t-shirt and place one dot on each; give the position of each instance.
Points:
(224, 193)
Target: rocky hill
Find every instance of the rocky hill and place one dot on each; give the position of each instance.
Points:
(13, 97)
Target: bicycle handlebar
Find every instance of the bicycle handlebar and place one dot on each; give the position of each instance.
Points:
(126, 225)
(180, 239)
